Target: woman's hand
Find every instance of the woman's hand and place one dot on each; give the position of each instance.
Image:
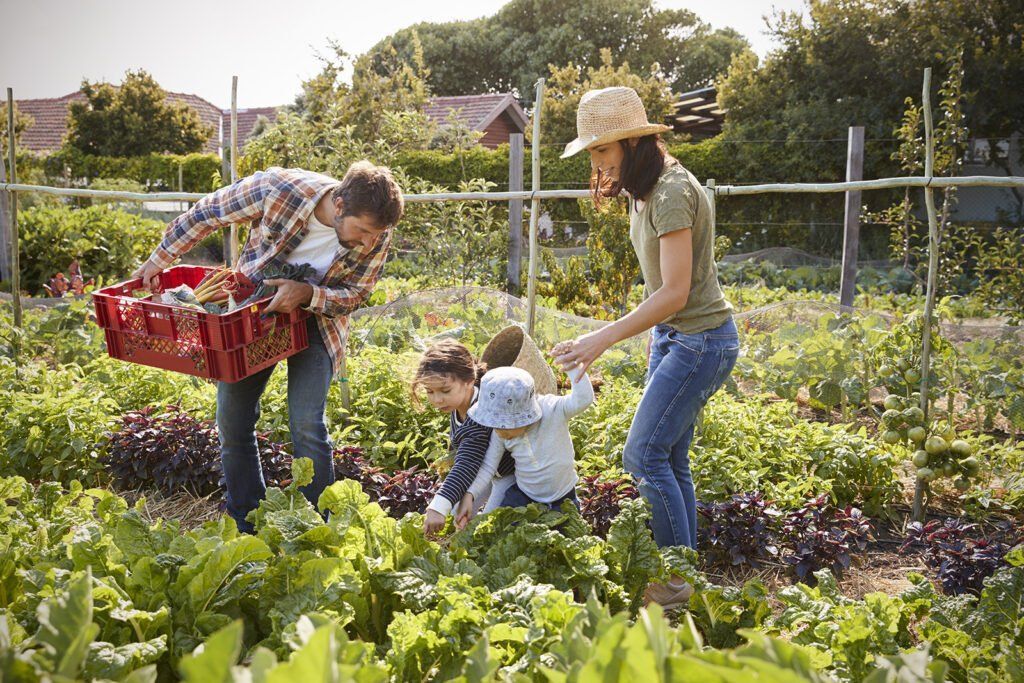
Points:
(465, 512)
(433, 521)
(581, 352)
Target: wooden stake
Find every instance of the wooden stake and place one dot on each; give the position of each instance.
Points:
(234, 160)
(933, 270)
(13, 213)
(531, 308)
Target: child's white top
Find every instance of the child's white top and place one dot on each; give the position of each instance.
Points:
(544, 456)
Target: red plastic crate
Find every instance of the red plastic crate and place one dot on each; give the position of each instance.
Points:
(226, 347)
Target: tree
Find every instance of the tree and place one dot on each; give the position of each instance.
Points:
(133, 119)
(511, 49)
(382, 82)
(854, 62)
(566, 85)
(21, 123)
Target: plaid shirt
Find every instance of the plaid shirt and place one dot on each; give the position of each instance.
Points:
(277, 203)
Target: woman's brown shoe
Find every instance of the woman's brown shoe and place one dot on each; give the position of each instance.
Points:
(668, 595)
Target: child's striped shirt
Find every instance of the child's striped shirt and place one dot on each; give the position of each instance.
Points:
(469, 442)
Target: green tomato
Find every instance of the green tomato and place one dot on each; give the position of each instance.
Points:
(961, 484)
(891, 437)
(925, 474)
(971, 465)
(902, 364)
(961, 448)
(949, 435)
(912, 376)
(893, 402)
(948, 469)
(917, 434)
(935, 445)
(892, 417)
(885, 370)
(914, 415)
(920, 459)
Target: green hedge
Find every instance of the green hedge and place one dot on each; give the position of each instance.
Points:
(158, 172)
(750, 222)
(109, 243)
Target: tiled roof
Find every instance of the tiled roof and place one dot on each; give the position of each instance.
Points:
(50, 120)
(247, 121)
(475, 111)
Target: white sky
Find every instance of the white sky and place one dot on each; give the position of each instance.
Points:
(48, 46)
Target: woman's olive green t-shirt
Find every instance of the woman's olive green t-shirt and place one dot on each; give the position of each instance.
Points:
(678, 202)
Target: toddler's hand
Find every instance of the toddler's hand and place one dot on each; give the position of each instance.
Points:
(433, 522)
(466, 511)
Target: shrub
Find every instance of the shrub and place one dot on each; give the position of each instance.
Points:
(109, 243)
(958, 552)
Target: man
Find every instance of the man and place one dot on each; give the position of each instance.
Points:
(341, 229)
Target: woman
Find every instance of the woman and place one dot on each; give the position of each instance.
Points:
(693, 344)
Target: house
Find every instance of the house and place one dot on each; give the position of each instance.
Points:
(697, 113)
(496, 115)
(50, 121)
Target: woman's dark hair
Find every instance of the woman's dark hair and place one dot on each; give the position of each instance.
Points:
(447, 359)
(639, 172)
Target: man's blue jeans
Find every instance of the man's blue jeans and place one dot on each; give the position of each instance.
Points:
(238, 409)
(683, 372)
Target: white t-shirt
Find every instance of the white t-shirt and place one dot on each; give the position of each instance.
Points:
(319, 248)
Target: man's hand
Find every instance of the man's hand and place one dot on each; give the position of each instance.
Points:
(149, 273)
(290, 295)
(465, 512)
(433, 522)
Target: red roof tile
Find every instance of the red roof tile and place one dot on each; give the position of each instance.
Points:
(50, 120)
(247, 121)
(475, 111)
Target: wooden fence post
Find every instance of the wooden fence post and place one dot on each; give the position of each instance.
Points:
(515, 214)
(531, 287)
(13, 213)
(5, 228)
(851, 221)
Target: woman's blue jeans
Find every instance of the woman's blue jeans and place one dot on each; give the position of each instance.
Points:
(683, 372)
(238, 409)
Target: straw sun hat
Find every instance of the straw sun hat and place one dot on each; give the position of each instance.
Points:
(513, 347)
(610, 114)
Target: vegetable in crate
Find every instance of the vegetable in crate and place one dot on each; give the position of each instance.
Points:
(181, 295)
(299, 272)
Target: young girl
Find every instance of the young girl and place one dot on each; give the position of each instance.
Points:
(448, 375)
(535, 429)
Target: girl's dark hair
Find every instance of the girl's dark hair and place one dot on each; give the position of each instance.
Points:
(639, 172)
(447, 359)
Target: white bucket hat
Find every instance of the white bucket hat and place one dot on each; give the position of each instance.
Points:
(610, 114)
(507, 400)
